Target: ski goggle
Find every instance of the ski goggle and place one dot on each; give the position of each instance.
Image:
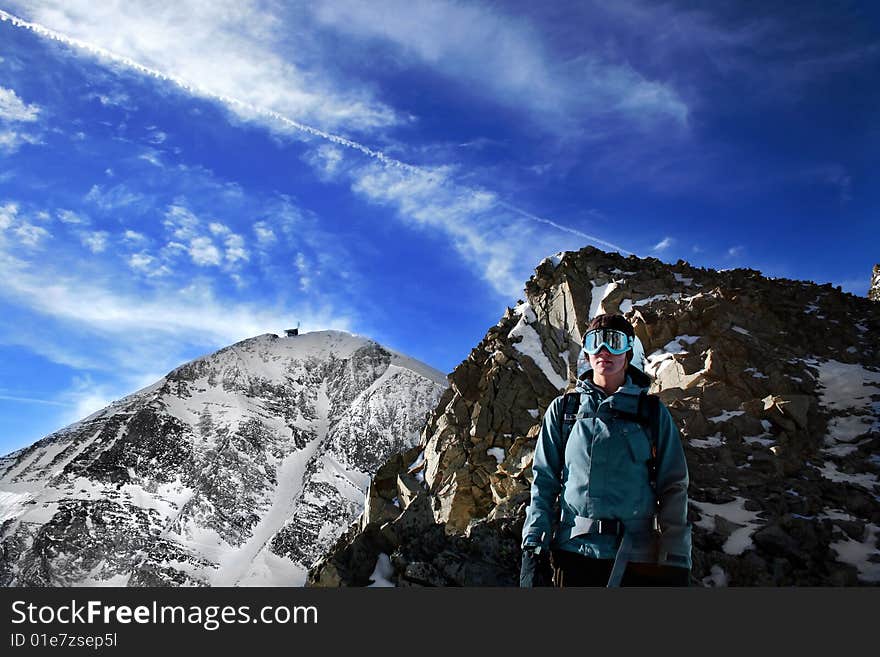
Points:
(616, 342)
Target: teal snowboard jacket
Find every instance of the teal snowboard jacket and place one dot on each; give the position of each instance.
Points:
(604, 474)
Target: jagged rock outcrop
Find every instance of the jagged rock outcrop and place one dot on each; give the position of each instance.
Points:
(774, 383)
(874, 291)
(239, 468)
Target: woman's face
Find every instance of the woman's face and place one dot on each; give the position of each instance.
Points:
(607, 364)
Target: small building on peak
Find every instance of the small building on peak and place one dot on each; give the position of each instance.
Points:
(292, 332)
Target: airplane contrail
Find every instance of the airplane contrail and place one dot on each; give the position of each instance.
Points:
(566, 229)
(31, 400)
(200, 91)
(262, 111)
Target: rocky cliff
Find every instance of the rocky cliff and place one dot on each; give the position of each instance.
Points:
(239, 468)
(774, 383)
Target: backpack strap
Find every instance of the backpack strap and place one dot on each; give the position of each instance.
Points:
(649, 416)
(570, 406)
(571, 403)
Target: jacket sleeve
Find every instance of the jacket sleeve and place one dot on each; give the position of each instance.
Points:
(546, 468)
(672, 486)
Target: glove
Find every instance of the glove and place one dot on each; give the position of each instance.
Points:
(535, 569)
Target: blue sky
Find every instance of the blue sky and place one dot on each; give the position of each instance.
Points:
(174, 178)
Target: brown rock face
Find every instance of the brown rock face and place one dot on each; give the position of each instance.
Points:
(774, 383)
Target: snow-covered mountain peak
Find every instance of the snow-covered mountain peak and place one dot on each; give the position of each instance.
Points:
(239, 467)
(277, 358)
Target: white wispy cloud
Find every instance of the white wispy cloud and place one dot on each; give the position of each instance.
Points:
(735, 251)
(305, 279)
(147, 265)
(181, 223)
(491, 235)
(265, 235)
(663, 244)
(235, 249)
(113, 198)
(203, 251)
(12, 140)
(86, 396)
(498, 53)
(145, 33)
(325, 160)
(172, 249)
(780, 52)
(232, 49)
(8, 214)
(14, 109)
(140, 261)
(96, 241)
(501, 245)
(114, 98)
(152, 157)
(71, 217)
(15, 114)
(134, 237)
(18, 226)
(31, 235)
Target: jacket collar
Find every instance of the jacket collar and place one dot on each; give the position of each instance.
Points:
(626, 395)
(634, 378)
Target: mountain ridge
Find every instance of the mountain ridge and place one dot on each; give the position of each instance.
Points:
(774, 384)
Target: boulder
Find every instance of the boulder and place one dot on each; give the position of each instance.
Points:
(775, 541)
(789, 412)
